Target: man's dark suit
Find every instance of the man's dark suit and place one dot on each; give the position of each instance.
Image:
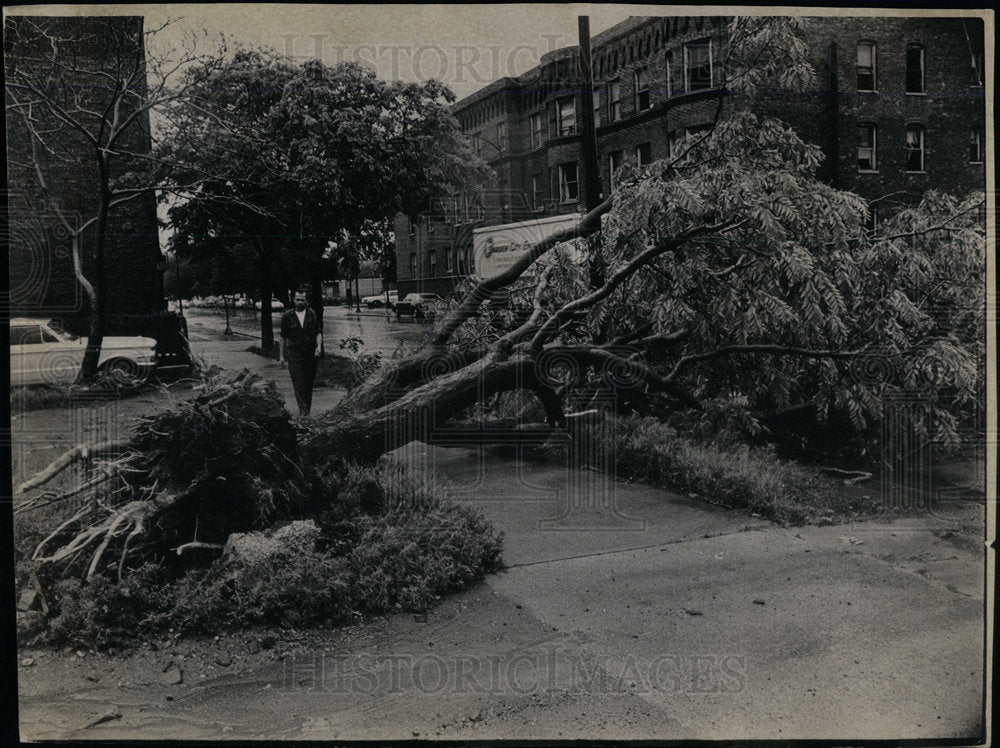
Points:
(300, 352)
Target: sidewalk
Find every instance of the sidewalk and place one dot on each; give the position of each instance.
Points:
(233, 356)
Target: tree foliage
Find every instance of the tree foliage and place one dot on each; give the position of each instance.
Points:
(736, 287)
(310, 151)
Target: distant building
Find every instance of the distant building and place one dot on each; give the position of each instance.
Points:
(41, 277)
(898, 108)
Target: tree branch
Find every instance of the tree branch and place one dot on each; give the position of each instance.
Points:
(485, 289)
(778, 350)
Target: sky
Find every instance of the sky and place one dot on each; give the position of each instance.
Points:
(466, 46)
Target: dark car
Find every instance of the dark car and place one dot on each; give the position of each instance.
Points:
(416, 304)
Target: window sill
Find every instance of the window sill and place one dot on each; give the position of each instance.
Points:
(915, 93)
(865, 90)
(915, 172)
(976, 163)
(867, 171)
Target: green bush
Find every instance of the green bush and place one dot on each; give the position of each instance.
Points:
(737, 475)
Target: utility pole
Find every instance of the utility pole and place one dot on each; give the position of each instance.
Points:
(588, 131)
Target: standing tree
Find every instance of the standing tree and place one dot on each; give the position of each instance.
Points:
(220, 127)
(89, 86)
(322, 150)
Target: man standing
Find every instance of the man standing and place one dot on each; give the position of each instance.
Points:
(301, 343)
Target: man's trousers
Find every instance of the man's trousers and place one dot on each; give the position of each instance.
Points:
(302, 368)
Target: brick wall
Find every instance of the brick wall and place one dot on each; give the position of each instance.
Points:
(827, 115)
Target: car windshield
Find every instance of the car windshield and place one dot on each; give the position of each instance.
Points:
(60, 330)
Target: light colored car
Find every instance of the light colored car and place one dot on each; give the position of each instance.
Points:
(417, 304)
(43, 353)
(276, 304)
(378, 301)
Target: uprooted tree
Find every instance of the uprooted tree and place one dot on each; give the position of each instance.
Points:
(735, 285)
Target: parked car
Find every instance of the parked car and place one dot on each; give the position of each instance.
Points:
(276, 304)
(378, 301)
(41, 352)
(417, 304)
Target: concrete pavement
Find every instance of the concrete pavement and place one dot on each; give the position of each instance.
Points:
(695, 622)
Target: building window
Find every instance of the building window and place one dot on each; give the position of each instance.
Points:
(643, 154)
(615, 161)
(614, 101)
(413, 265)
(866, 66)
(597, 106)
(866, 148)
(976, 152)
(977, 67)
(567, 116)
(914, 68)
(412, 226)
(477, 144)
(536, 130)
(569, 186)
(641, 80)
(914, 148)
(501, 136)
(698, 66)
(669, 65)
(432, 261)
(538, 191)
(448, 257)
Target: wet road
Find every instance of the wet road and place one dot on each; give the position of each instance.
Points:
(380, 331)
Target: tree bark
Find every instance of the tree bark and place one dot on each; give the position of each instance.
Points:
(267, 250)
(353, 433)
(95, 333)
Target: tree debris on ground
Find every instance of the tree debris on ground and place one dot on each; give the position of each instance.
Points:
(225, 461)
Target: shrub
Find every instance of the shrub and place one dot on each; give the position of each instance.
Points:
(737, 476)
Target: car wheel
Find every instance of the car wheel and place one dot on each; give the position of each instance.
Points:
(123, 371)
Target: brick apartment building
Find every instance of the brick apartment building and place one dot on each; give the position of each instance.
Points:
(42, 282)
(898, 108)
